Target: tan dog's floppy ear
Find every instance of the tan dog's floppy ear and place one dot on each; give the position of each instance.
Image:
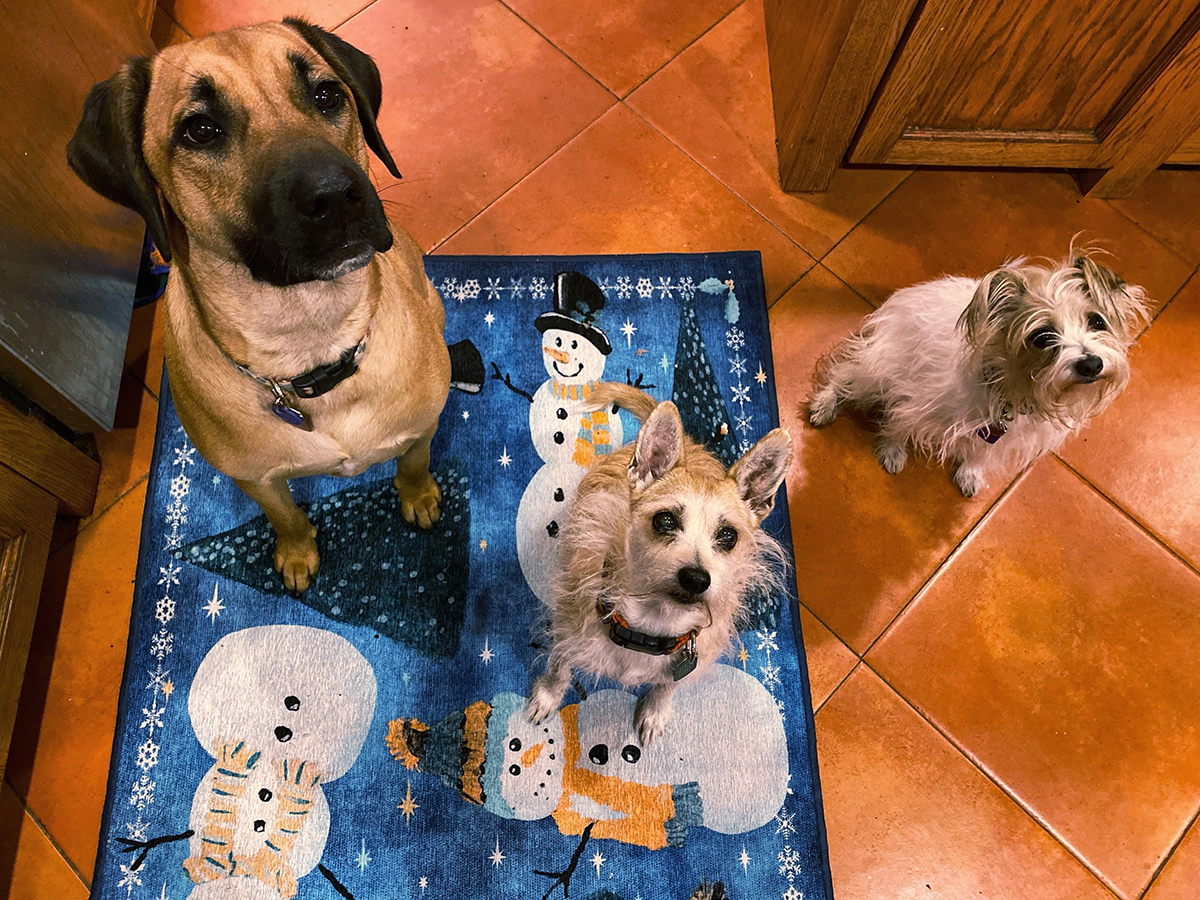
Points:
(359, 73)
(1121, 303)
(659, 445)
(759, 473)
(106, 149)
(998, 294)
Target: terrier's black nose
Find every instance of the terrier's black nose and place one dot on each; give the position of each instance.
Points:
(1089, 366)
(693, 579)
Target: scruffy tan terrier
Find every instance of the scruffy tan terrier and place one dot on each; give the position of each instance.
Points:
(661, 547)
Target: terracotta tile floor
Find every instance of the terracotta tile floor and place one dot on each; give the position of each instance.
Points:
(1006, 688)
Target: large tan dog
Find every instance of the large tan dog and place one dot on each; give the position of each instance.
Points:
(301, 334)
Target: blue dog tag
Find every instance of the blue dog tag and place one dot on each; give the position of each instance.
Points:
(288, 413)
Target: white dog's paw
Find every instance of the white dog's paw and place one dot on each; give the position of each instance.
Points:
(652, 713)
(891, 455)
(822, 407)
(543, 702)
(969, 480)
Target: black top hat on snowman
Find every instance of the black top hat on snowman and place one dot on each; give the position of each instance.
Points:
(577, 302)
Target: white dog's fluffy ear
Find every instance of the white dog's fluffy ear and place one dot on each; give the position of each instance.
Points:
(997, 297)
(659, 445)
(1118, 301)
(759, 473)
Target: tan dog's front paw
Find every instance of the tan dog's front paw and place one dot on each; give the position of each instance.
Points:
(420, 500)
(296, 559)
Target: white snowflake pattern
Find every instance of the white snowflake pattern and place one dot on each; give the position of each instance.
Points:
(493, 289)
(469, 289)
(153, 715)
(162, 643)
(180, 485)
(158, 678)
(766, 640)
(742, 422)
(539, 289)
(164, 610)
(137, 829)
(141, 794)
(147, 755)
(687, 287)
(785, 824)
(514, 285)
(173, 541)
(737, 366)
(741, 393)
(735, 338)
(449, 287)
(604, 286)
(184, 457)
(129, 878)
(644, 288)
(789, 863)
(665, 288)
(624, 287)
(176, 515)
(792, 894)
(770, 675)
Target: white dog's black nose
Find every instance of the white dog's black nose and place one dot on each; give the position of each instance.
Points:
(693, 579)
(1089, 367)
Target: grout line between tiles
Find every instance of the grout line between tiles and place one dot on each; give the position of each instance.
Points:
(175, 21)
(1003, 788)
(1136, 224)
(864, 217)
(1137, 523)
(563, 52)
(1167, 858)
(729, 12)
(53, 843)
(854, 668)
(353, 15)
(95, 516)
(947, 560)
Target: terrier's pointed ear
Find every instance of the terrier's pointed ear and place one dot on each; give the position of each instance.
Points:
(106, 149)
(1122, 304)
(761, 471)
(998, 295)
(659, 446)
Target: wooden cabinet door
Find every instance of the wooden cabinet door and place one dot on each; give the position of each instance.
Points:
(1106, 85)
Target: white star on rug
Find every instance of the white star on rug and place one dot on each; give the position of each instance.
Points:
(364, 858)
(496, 856)
(489, 318)
(628, 329)
(598, 860)
(504, 459)
(214, 607)
(486, 654)
(744, 859)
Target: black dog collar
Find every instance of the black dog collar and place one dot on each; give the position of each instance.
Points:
(307, 385)
(619, 632)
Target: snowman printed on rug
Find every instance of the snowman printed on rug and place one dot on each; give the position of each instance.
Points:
(565, 435)
(722, 762)
(283, 709)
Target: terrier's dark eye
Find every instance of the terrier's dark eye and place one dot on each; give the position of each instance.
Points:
(1043, 338)
(726, 537)
(328, 98)
(664, 522)
(1096, 322)
(200, 130)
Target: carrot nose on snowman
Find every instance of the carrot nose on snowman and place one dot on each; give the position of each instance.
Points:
(557, 355)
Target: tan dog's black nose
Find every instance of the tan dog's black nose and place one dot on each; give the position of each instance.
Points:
(694, 580)
(327, 192)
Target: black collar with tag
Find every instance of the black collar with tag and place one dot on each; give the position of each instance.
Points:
(683, 646)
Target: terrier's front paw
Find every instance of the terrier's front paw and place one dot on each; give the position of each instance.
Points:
(652, 713)
(969, 480)
(420, 500)
(296, 559)
(543, 702)
(822, 407)
(891, 455)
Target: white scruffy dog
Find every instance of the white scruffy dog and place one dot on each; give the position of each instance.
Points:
(990, 374)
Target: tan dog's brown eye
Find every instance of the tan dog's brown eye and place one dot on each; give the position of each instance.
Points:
(327, 97)
(201, 130)
(727, 538)
(1096, 322)
(1043, 338)
(664, 522)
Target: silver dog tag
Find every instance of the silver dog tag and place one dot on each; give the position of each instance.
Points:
(686, 662)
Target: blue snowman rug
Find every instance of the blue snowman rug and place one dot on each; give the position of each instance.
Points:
(367, 739)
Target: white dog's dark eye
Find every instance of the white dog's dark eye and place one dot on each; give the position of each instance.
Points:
(201, 130)
(664, 522)
(327, 97)
(727, 538)
(1043, 338)
(1096, 322)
